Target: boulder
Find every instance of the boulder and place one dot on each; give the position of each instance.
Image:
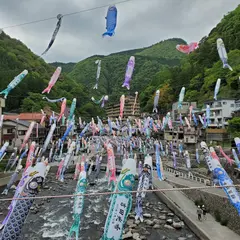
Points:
(136, 236)
(156, 226)
(162, 217)
(156, 221)
(169, 227)
(169, 221)
(128, 235)
(177, 225)
(149, 222)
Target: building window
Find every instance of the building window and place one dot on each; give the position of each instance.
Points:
(9, 130)
(21, 132)
(224, 103)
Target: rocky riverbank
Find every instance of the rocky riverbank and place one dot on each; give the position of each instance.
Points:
(51, 219)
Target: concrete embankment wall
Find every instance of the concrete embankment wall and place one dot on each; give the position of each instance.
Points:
(215, 203)
(180, 213)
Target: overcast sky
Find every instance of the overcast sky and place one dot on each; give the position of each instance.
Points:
(140, 23)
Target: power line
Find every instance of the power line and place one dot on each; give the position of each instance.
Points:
(64, 15)
(120, 192)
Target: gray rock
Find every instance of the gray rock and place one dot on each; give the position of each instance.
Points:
(156, 221)
(162, 221)
(162, 217)
(189, 236)
(169, 227)
(164, 237)
(136, 236)
(130, 222)
(169, 221)
(147, 233)
(156, 226)
(147, 204)
(35, 211)
(143, 238)
(131, 216)
(164, 211)
(181, 238)
(137, 222)
(177, 225)
(132, 225)
(170, 214)
(127, 235)
(147, 215)
(149, 222)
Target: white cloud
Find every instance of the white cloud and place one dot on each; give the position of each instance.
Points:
(140, 24)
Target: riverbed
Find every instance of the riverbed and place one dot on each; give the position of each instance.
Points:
(51, 219)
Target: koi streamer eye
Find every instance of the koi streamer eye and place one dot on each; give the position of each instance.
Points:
(33, 185)
(127, 183)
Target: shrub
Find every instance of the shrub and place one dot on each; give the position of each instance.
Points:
(224, 222)
(217, 215)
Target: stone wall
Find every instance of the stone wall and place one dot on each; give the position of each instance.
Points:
(215, 203)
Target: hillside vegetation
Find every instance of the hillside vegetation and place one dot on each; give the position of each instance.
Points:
(200, 70)
(149, 61)
(14, 58)
(159, 66)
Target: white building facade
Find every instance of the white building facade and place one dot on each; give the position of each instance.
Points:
(221, 111)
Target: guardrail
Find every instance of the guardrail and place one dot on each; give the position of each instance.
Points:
(188, 175)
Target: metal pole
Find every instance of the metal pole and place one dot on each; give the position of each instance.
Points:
(2, 105)
(2, 124)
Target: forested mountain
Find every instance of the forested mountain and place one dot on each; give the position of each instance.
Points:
(159, 66)
(149, 61)
(14, 58)
(200, 70)
(66, 67)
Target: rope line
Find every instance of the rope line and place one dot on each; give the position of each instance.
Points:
(120, 192)
(64, 15)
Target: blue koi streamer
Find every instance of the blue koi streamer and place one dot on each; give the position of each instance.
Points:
(84, 130)
(222, 176)
(111, 21)
(158, 161)
(195, 119)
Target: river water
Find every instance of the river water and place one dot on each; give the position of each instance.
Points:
(51, 219)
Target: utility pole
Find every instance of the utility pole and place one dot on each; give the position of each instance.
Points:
(2, 105)
(16, 133)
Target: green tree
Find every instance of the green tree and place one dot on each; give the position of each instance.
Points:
(234, 127)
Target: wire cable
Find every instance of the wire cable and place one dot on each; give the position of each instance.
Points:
(64, 15)
(120, 192)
